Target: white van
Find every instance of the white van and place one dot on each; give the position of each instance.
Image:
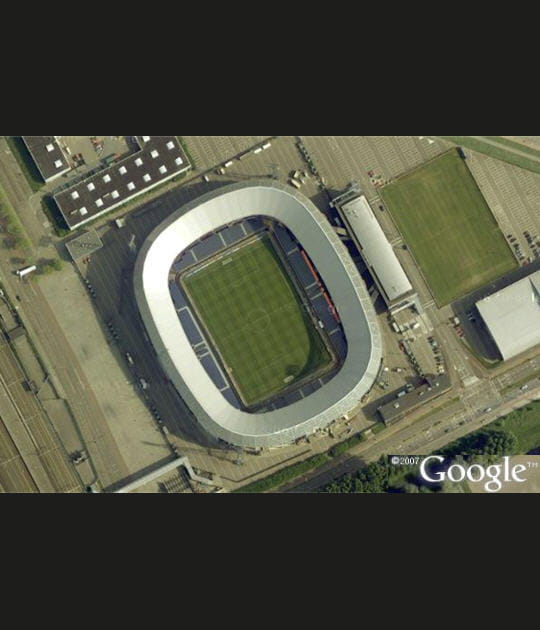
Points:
(294, 182)
(23, 272)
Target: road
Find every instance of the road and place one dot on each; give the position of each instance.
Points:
(416, 437)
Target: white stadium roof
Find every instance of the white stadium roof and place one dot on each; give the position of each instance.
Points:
(343, 281)
(376, 249)
(513, 316)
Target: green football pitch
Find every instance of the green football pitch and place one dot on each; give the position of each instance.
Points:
(449, 228)
(254, 317)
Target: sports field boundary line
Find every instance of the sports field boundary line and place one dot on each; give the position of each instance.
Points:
(207, 339)
(229, 250)
(306, 302)
(418, 167)
(211, 343)
(500, 228)
(410, 251)
(394, 223)
(298, 291)
(299, 299)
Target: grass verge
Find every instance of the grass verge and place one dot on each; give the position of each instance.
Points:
(286, 474)
(184, 146)
(15, 236)
(499, 153)
(347, 444)
(524, 423)
(522, 381)
(295, 470)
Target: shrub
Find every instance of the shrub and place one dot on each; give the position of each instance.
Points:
(285, 474)
(49, 266)
(340, 448)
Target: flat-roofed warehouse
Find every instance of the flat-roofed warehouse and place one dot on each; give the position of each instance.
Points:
(47, 156)
(512, 316)
(377, 252)
(159, 159)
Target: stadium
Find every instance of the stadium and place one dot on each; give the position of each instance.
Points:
(257, 314)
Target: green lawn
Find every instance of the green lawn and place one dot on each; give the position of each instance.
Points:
(524, 423)
(449, 228)
(252, 312)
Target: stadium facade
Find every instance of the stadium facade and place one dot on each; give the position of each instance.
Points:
(207, 214)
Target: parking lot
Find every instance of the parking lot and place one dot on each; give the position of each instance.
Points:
(370, 160)
(513, 195)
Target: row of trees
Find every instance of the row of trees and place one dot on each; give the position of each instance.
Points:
(295, 470)
(285, 474)
(483, 446)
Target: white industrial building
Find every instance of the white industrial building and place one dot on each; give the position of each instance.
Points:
(378, 253)
(227, 205)
(512, 316)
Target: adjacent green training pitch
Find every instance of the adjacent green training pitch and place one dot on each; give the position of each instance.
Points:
(254, 318)
(449, 228)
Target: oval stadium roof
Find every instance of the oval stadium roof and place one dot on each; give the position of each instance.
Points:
(343, 281)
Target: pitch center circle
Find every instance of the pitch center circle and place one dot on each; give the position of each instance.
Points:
(258, 320)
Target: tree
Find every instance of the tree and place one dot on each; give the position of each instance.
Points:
(47, 267)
